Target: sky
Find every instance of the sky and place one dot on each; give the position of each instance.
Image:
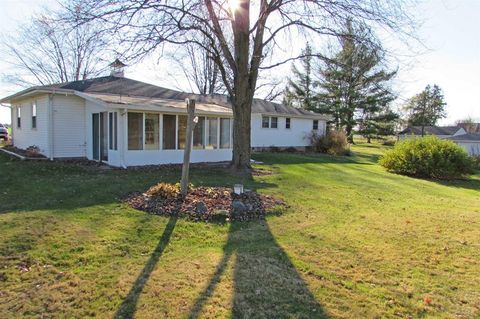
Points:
(451, 58)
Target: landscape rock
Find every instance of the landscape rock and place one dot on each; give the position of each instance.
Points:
(206, 204)
(201, 208)
(238, 207)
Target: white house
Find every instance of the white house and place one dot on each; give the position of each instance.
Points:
(470, 142)
(124, 122)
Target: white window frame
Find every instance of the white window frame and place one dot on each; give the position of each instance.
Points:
(19, 117)
(268, 121)
(272, 117)
(289, 121)
(34, 107)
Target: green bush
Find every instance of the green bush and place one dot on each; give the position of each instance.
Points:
(429, 157)
(334, 143)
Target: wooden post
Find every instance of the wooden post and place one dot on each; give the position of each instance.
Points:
(188, 145)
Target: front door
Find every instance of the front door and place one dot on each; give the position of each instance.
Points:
(100, 136)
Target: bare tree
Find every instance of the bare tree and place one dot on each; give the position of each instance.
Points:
(239, 46)
(199, 69)
(47, 51)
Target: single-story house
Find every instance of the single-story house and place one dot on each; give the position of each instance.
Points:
(124, 122)
(469, 141)
(440, 131)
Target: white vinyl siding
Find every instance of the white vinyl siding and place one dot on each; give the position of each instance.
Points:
(26, 136)
(69, 136)
(295, 136)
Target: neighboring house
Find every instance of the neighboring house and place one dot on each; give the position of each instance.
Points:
(470, 127)
(470, 142)
(124, 122)
(440, 131)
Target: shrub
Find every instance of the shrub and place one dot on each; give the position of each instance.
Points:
(389, 142)
(427, 157)
(164, 190)
(476, 161)
(334, 143)
(290, 150)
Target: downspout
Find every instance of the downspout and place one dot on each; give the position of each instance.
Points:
(50, 126)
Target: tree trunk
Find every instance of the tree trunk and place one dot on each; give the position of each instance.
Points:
(243, 89)
(348, 131)
(369, 140)
(242, 107)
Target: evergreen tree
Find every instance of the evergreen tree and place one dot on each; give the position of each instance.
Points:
(426, 108)
(353, 85)
(299, 91)
(378, 125)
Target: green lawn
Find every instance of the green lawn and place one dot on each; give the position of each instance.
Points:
(356, 242)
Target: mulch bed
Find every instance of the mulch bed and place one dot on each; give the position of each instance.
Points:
(208, 204)
(22, 152)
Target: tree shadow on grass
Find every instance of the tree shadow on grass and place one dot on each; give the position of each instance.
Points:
(315, 158)
(266, 283)
(129, 305)
(470, 183)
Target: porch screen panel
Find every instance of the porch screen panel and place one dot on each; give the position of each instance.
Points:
(212, 139)
(225, 133)
(168, 126)
(182, 131)
(135, 131)
(152, 132)
(112, 124)
(199, 134)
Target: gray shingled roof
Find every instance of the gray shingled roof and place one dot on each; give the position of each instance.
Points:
(432, 130)
(466, 137)
(470, 127)
(128, 87)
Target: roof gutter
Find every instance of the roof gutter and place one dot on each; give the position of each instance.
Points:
(32, 91)
(301, 116)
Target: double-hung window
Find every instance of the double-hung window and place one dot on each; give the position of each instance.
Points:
(274, 122)
(287, 123)
(269, 122)
(265, 122)
(315, 125)
(19, 117)
(34, 115)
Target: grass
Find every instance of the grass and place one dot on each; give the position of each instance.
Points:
(356, 242)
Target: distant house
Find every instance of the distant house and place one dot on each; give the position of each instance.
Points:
(440, 131)
(124, 122)
(470, 127)
(470, 142)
